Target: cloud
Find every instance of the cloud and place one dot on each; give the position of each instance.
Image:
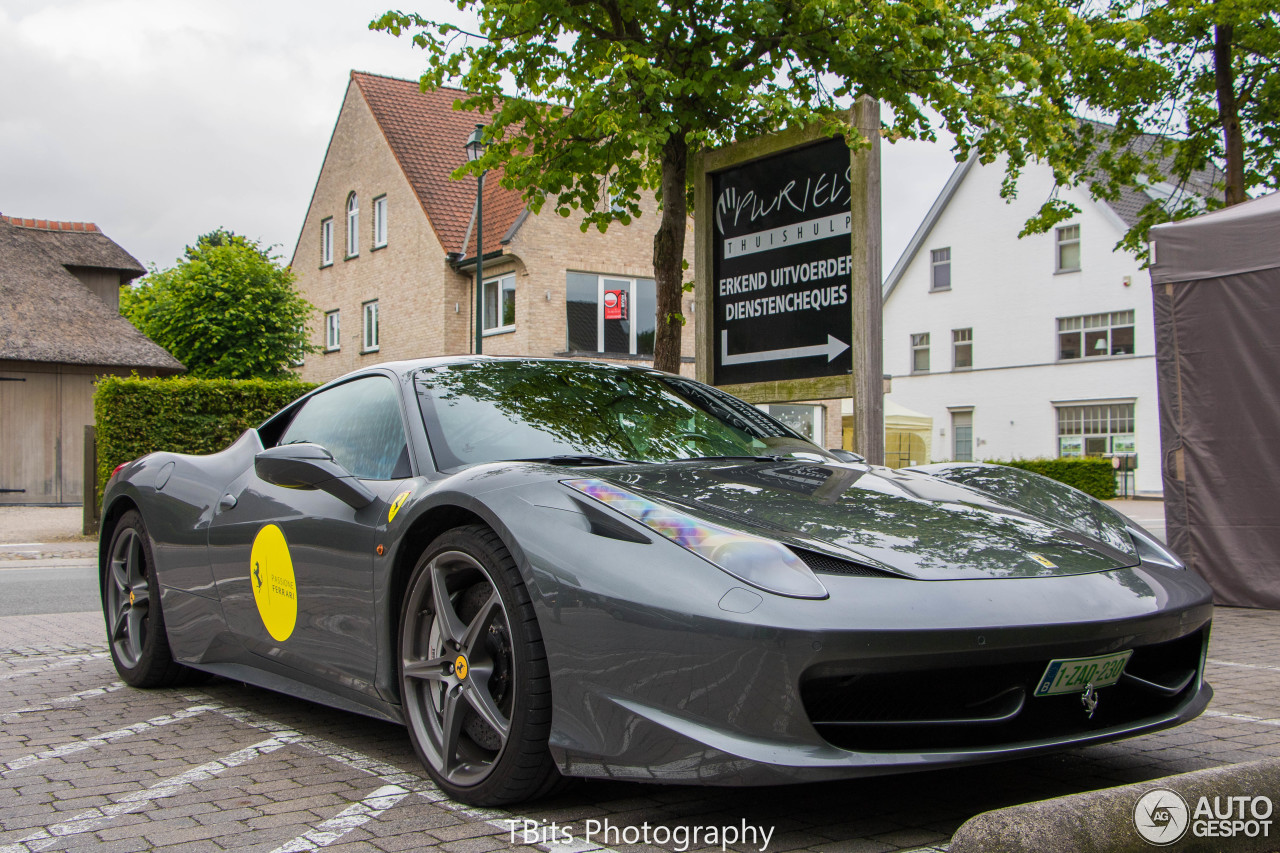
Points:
(162, 120)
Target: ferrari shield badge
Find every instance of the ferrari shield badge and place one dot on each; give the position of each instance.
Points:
(1044, 561)
(274, 589)
(395, 506)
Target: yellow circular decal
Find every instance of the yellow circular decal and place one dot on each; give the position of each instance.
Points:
(460, 667)
(396, 504)
(274, 589)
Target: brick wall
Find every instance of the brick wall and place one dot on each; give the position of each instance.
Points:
(409, 278)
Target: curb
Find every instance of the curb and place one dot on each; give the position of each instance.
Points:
(1103, 821)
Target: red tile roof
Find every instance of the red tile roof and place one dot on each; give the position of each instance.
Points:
(427, 136)
(50, 224)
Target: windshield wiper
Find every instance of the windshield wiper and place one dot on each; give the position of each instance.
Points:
(579, 459)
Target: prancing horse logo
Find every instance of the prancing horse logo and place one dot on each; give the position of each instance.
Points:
(1090, 700)
(257, 574)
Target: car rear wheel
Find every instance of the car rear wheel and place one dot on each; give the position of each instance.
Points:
(473, 672)
(131, 605)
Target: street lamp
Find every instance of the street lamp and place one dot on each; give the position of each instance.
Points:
(475, 150)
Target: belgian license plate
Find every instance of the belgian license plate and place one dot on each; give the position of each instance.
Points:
(1073, 675)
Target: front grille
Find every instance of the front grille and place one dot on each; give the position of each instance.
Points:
(827, 565)
(940, 709)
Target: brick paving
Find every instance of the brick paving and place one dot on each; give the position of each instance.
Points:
(88, 763)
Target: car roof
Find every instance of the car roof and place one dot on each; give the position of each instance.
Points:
(406, 367)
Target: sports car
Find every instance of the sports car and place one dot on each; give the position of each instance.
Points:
(551, 568)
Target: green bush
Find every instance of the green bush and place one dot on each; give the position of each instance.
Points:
(139, 416)
(1092, 475)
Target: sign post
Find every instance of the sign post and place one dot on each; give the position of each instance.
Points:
(787, 271)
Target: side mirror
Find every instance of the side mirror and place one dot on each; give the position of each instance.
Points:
(845, 455)
(310, 466)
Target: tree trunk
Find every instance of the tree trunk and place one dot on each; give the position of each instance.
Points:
(668, 253)
(1229, 112)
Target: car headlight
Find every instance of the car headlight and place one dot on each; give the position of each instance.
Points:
(760, 562)
(1151, 551)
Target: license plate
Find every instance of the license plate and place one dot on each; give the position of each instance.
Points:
(1073, 675)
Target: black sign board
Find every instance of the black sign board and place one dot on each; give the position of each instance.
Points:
(781, 266)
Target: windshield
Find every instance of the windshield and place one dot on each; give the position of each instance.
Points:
(508, 410)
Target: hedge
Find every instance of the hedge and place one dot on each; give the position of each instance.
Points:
(1092, 475)
(137, 416)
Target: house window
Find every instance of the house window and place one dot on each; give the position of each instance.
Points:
(941, 275)
(326, 242)
(962, 436)
(353, 226)
(1068, 250)
(1095, 430)
(806, 420)
(332, 332)
(612, 314)
(371, 326)
(380, 222)
(500, 304)
(1095, 335)
(920, 353)
(961, 349)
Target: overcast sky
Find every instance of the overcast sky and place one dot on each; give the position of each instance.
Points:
(163, 119)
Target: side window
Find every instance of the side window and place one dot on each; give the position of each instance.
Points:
(359, 423)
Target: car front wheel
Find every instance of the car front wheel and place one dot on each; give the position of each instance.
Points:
(473, 672)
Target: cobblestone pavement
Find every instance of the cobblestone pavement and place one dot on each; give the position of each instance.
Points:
(86, 762)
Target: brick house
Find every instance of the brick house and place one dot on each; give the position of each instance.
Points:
(60, 329)
(387, 253)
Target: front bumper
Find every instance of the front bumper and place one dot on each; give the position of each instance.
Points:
(657, 673)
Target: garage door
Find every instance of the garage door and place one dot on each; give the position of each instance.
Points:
(29, 438)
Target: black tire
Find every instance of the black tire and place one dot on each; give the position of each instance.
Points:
(485, 661)
(131, 607)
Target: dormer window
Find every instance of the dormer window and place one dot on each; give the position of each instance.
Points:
(353, 226)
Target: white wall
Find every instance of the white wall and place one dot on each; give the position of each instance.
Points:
(1005, 289)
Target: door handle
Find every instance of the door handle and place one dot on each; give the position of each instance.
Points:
(227, 502)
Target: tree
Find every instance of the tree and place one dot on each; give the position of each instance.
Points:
(1191, 86)
(611, 96)
(227, 311)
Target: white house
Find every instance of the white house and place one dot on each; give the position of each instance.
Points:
(1018, 348)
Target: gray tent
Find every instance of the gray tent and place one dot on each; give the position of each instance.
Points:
(1216, 285)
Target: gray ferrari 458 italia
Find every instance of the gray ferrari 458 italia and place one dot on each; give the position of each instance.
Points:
(547, 569)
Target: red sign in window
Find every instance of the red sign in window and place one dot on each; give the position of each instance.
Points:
(615, 305)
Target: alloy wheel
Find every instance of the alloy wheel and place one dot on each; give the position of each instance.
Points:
(458, 668)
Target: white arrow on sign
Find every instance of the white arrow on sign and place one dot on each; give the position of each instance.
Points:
(832, 348)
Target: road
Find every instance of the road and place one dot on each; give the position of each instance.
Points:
(48, 586)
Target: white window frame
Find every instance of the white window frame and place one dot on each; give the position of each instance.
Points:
(332, 330)
(326, 242)
(1066, 235)
(370, 331)
(936, 261)
(1108, 321)
(353, 226)
(484, 301)
(919, 342)
(1094, 414)
(380, 222)
(961, 338)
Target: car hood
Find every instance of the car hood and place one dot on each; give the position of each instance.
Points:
(908, 523)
